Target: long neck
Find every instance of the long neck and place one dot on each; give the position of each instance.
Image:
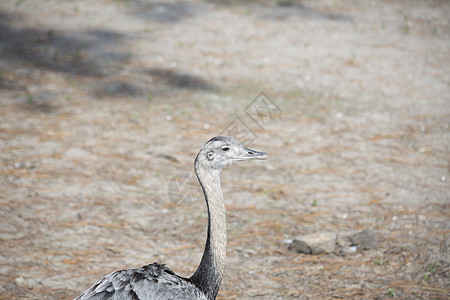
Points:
(209, 273)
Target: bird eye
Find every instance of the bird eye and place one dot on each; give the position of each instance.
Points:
(225, 149)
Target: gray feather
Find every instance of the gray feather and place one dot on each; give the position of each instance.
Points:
(151, 282)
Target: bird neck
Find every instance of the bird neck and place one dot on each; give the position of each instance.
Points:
(209, 273)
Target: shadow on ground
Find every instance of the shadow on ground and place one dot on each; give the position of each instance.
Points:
(98, 55)
(85, 53)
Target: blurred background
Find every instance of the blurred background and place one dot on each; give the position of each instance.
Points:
(103, 103)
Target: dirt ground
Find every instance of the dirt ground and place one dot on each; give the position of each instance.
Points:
(104, 102)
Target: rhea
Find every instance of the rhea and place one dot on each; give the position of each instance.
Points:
(158, 282)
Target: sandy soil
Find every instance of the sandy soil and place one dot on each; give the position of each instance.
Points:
(104, 102)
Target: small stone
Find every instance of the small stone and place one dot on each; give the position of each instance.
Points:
(365, 240)
(300, 246)
(19, 280)
(344, 239)
(314, 243)
(352, 241)
(344, 242)
(352, 249)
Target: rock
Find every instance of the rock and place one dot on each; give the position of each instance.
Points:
(351, 241)
(314, 243)
(344, 239)
(365, 240)
(342, 243)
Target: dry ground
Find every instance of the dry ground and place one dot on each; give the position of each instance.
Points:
(103, 102)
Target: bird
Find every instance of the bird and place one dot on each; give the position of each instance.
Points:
(156, 281)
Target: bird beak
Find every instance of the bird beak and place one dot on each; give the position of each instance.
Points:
(247, 154)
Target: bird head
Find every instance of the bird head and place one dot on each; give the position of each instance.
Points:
(222, 151)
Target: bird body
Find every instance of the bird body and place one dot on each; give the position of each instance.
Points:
(154, 281)
(158, 282)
